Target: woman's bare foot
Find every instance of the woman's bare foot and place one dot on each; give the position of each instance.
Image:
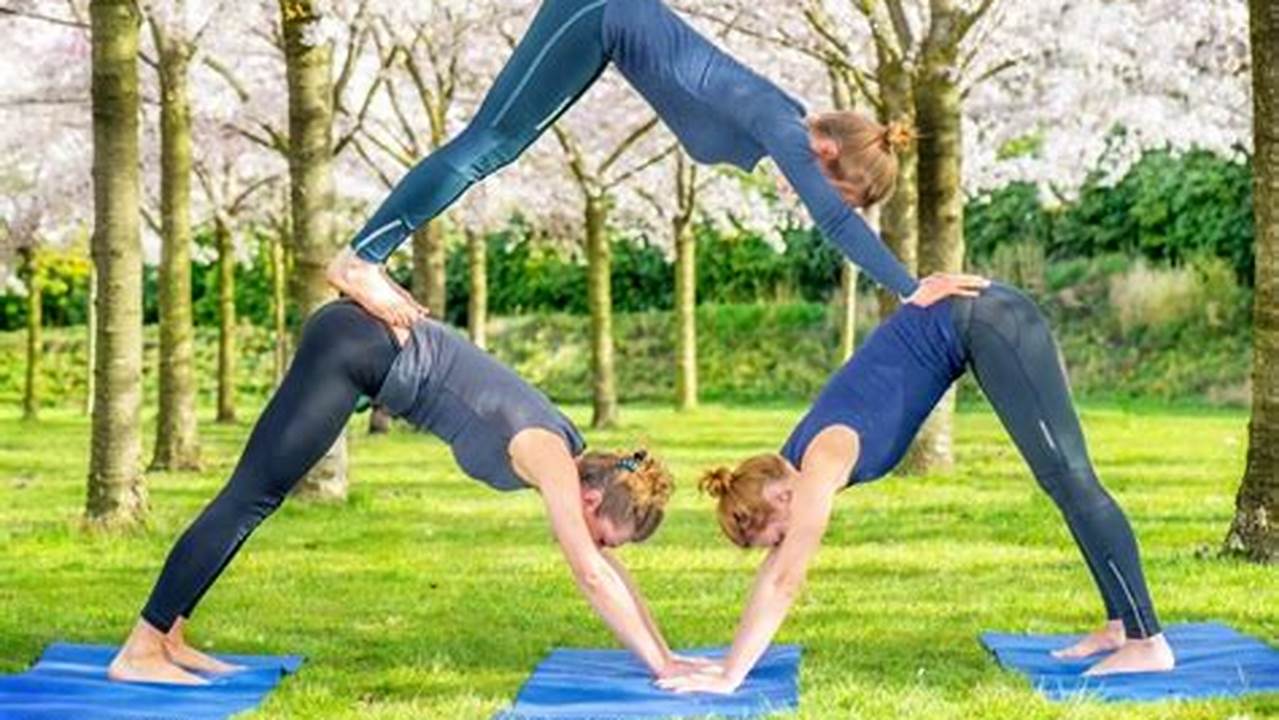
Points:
(368, 285)
(184, 655)
(1148, 655)
(144, 659)
(1110, 637)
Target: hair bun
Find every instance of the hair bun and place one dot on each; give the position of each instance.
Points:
(898, 136)
(717, 482)
(649, 482)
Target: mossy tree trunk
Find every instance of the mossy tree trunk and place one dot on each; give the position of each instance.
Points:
(279, 300)
(899, 216)
(478, 307)
(177, 436)
(116, 487)
(429, 261)
(1255, 530)
(31, 274)
(941, 202)
(91, 341)
(309, 72)
(685, 284)
(597, 184)
(599, 269)
(227, 320)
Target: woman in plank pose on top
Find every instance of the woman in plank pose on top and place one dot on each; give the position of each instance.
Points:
(721, 111)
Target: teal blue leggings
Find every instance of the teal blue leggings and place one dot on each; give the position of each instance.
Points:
(560, 57)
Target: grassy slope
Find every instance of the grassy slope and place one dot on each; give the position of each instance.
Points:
(431, 596)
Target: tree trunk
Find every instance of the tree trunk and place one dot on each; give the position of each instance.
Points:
(685, 314)
(35, 343)
(379, 420)
(279, 313)
(847, 310)
(478, 310)
(309, 71)
(899, 216)
(941, 203)
(176, 437)
(600, 299)
(91, 342)
(226, 322)
(116, 487)
(1255, 530)
(429, 260)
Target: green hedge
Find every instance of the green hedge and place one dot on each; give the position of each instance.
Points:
(1170, 208)
(747, 353)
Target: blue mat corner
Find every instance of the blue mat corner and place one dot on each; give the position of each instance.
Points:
(70, 681)
(1213, 660)
(612, 685)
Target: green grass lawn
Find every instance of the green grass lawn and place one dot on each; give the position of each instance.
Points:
(431, 596)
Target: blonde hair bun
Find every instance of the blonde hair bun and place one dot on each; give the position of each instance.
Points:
(649, 483)
(898, 136)
(717, 482)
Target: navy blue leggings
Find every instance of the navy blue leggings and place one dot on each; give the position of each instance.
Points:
(1014, 358)
(560, 57)
(344, 352)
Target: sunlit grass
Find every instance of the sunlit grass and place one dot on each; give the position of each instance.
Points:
(431, 596)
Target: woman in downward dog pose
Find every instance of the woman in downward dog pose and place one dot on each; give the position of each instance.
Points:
(721, 111)
(502, 432)
(862, 423)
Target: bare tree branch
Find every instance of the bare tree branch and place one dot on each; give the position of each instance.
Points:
(409, 142)
(226, 74)
(237, 203)
(992, 72)
(218, 7)
(901, 24)
(621, 179)
(402, 158)
(364, 155)
(576, 161)
(354, 47)
(968, 19)
(635, 136)
(28, 15)
(150, 219)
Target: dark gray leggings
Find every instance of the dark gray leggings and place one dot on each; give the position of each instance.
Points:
(1012, 354)
(344, 352)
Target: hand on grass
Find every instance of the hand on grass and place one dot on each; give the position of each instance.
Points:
(939, 286)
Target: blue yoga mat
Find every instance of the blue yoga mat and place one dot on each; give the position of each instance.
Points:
(613, 685)
(70, 681)
(1213, 660)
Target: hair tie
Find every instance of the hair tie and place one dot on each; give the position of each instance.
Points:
(631, 463)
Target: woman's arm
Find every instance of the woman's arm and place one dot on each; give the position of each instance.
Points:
(787, 142)
(645, 613)
(826, 465)
(541, 459)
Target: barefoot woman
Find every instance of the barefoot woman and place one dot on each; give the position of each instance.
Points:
(721, 111)
(502, 432)
(864, 420)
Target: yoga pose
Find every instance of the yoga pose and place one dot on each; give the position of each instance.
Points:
(721, 111)
(502, 432)
(863, 422)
